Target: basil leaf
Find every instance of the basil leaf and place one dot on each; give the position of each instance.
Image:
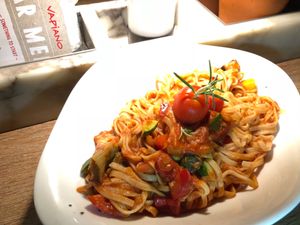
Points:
(215, 124)
(191, 162)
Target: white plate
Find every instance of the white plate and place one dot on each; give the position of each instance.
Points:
(129, 73)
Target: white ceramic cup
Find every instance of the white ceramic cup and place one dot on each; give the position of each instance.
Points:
(151, 18)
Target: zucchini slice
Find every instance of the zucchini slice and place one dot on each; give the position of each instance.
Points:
(149, 126)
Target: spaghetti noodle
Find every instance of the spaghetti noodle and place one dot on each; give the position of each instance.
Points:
(150, 161)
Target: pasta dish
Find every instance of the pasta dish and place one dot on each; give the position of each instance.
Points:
(195, 138)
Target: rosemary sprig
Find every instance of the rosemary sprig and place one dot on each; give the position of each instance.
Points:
(206, 90)
(184, 81)
(210, 71)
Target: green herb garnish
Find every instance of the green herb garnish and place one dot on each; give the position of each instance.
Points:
(208, 89)
(195, 164)
(202, 171)
(215, 124)
(191, 162)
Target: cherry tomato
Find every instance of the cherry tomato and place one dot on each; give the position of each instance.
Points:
(104, 205)
(215, 104)
(188, 109)
(182, 184)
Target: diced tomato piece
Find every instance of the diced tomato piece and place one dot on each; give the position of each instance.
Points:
(167, 205)
(161, 142)
(182, 184)
(174, 206)
(160, 202)
(104, 205)
(166, 167)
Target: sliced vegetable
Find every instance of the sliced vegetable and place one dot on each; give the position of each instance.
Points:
(249, 84)
(149, 126)
(101, 159)
(215, 124)
(176, 158)
(84, 168)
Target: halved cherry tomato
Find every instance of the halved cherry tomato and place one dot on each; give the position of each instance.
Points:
(104, 205)
(215, 104)
(187, 108)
